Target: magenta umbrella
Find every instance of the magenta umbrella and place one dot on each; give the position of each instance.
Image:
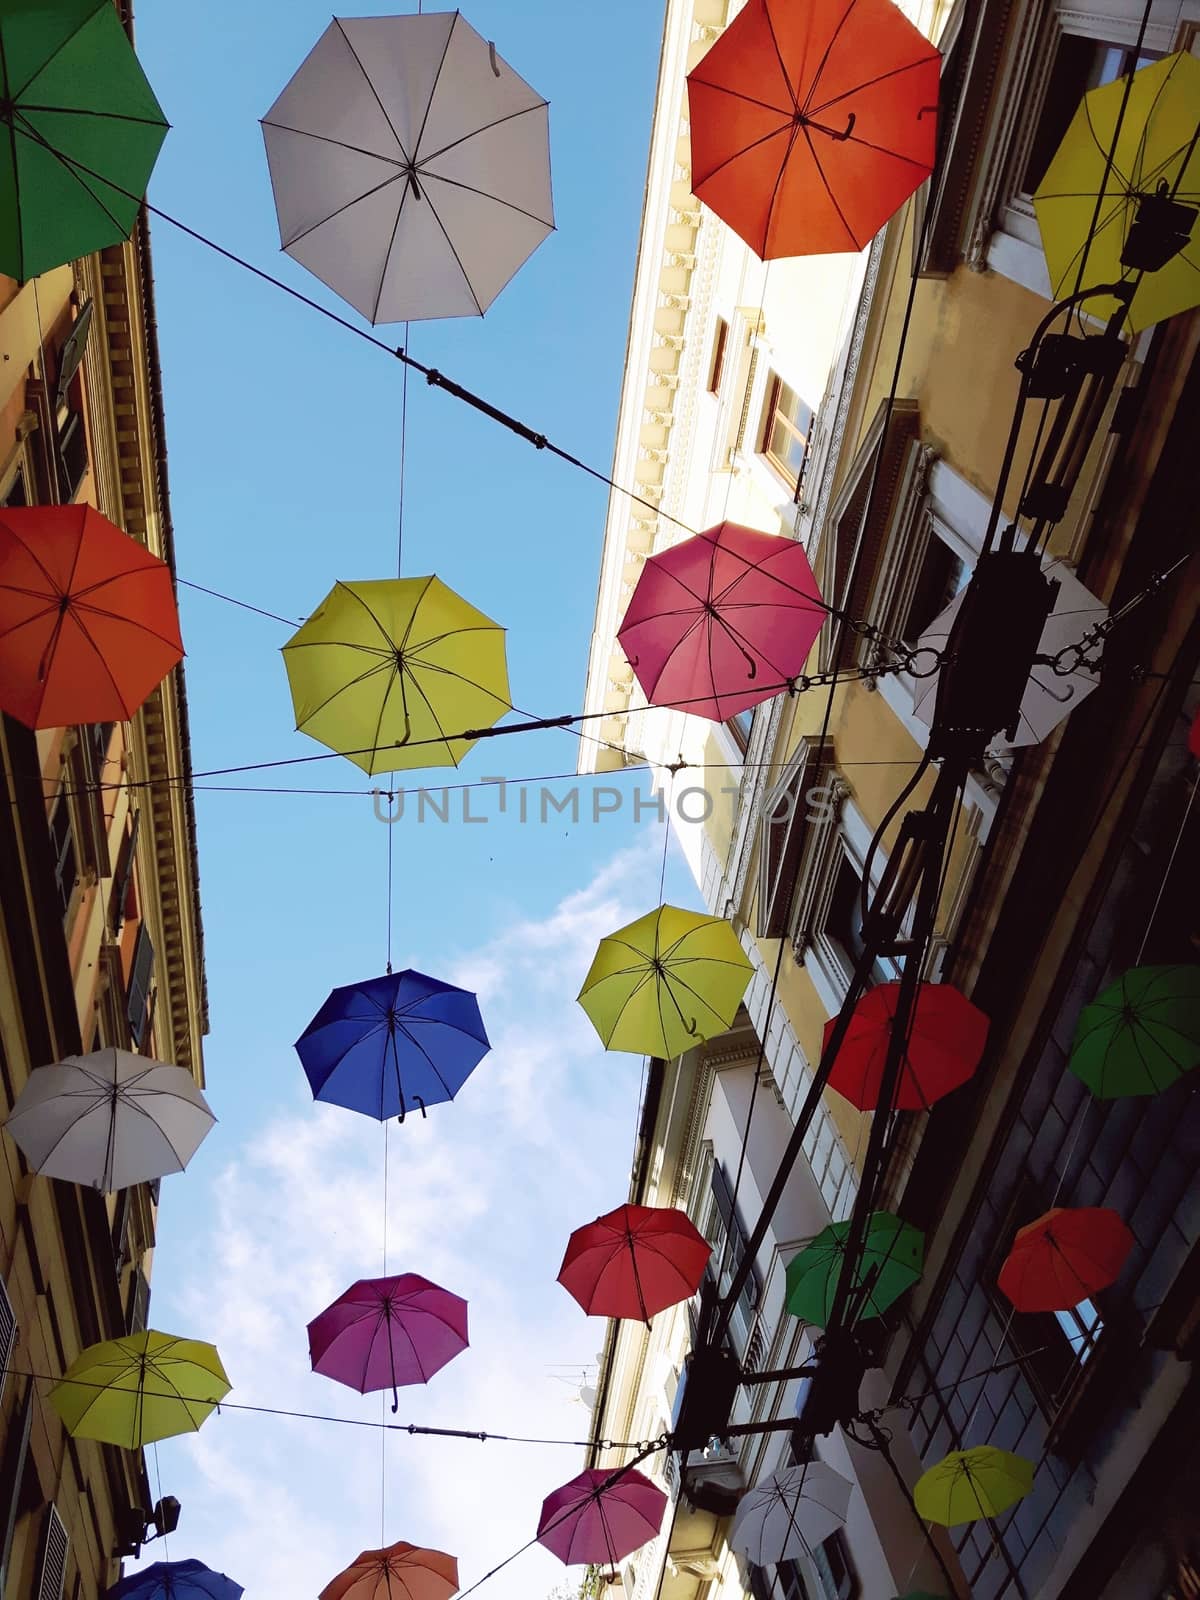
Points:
(601, 1517)
(384, 1333)
(723, 621)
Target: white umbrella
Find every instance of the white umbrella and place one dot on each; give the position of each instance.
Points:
(411, 166)
(109, 1120)
(790, 1513)
(1049, 695)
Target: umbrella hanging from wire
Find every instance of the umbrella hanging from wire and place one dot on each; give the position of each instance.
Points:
(790, 1513)
(401, 1571)
(82, 131)
(88, 622)
(969, 1484)
(811, 125)
(387, 1333)
(590, 1521)
(1141, 1035)
(890, 1263)
(717, 623)
(1064, 1257)
(411, 166)
(389, 671)
(666, 982)
(109, 1120)
(945, 1044)
(1115, 202)
(392, 1045)
(176, 1580)
(1052, 692)
(143, 1387)
(634, 1262)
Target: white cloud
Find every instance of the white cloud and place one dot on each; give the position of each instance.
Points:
(482, 1196)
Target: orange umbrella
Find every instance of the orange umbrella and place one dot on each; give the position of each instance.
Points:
(812, 124)
(401, 1572)
(88, 621)
(1064, 1257)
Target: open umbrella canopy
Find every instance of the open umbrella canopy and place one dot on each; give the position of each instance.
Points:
(665, 982)
(402, 1571)
(391, 673)
(635, 1261)
(1141, 1035)
(591, 1521)
(143, 1387)
(109, 1120)
(176, 1580)
(81, 134)
(944, 1046)
(969, 1484)
(88, 622)
(790, 1513)
(411, 166)
(811, 125)
(1052, 692)
(721, 621)
(385, 1333)
(890, 1263)
(1064, 1257)
(390, 1045)
(1145, 175)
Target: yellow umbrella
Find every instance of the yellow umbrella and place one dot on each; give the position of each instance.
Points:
(969, 1484)
(144, 1387)
(665, 982)
(1155, 167)
(387, 672)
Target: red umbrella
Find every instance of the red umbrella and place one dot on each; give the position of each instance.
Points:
(1065, 1257)
(387, 1332)
(721, 622)
(88, 621)
(591, 1521)
(401, 1572)
(944, 1047)
(635, 1261)
(812, 124)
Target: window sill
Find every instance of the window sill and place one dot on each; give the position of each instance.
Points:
(1015, 258)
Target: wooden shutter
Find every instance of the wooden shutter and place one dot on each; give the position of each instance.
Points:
(8, 1334)
(137, 1313)
(53, 1565)
(120, 893)
(139, 985)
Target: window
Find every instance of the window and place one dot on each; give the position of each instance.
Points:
(138, 997)
(102, 733)
(836, 1577)
(786, 428)
(119, 906)
(784, 834)
(739, 726)
(15, 493)
(1082, 1325)
(8, 1334)
(1080, 64)
(137, 1304)
(62, 845)
(72, 451)
(728, 1238)
(941, 574)
(716, 367)
(844, 922)
(52, 1567)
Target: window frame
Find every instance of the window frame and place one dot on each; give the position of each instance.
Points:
(718, 355)
(770, 415)
(64, 852)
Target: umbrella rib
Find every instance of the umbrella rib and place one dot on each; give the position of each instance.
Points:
(100, 657)
(117, 616)
(75, 170)
(433, 1066)
(387, 254)
(353, 683)
(374, 92)
(341, 210)
(324, 138)
(869, 83)
(58, 49)
(83, 111)
(744, 151)
(833, 198)
(12, 142)
(453, 249)
(824, 61)
(510, 116)
(456, 183)
(738, 94)
(418, 688)
(434, 88)
(779, 57)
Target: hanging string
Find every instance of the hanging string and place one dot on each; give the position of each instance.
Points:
(1183, 827)
(391, 797)
(158, 1484)
(403, 446)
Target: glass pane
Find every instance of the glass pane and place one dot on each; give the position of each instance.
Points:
(939, 580)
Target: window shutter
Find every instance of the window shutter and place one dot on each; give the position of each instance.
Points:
(794, 814)
(53, 1565)
(8, 1334)
(139, 985)
(137, 1317)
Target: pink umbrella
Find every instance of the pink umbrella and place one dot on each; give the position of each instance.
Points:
(723, 621)
(387, 1332)
(600, 1517)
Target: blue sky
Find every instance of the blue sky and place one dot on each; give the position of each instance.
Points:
(283, 436)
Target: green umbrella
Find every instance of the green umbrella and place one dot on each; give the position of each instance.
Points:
(1141, 1035)
(891, 1263)
(80, 130)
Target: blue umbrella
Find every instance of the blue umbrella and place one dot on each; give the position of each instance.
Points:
(176, 1580)
(391, 1044)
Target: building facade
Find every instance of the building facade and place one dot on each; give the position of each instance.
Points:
(101, 939)
(1071, 860)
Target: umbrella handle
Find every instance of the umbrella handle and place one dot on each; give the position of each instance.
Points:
(395, 1401)
(404, 1110)
(691, 1025)
(492, 53)
(842, 137)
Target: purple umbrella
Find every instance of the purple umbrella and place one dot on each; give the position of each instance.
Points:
(592, 1520)
(387, 1332)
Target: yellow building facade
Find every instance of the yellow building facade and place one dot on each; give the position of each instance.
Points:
(912, 382)
(101, 940)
